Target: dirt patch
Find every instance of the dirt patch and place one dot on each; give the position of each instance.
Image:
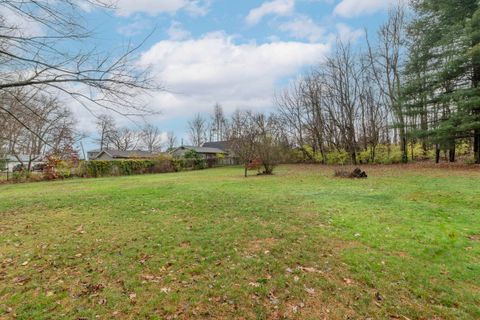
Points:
(260, 245)
(475, 237)
(403, 254)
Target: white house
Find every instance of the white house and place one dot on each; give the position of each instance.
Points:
(12, 161)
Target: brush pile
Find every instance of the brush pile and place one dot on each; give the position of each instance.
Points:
(355, 174)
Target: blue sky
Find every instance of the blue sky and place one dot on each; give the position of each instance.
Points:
(236, 53)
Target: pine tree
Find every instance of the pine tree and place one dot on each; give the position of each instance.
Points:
(442, 74)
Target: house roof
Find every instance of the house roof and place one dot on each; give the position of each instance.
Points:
(23, 158)
(118, 154)
(222, 145)
(201, 149)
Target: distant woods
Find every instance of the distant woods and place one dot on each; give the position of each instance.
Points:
(409, 91)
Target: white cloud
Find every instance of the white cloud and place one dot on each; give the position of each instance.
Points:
(303, 27)
(177, 32)
(276, 7)
(134, 28)
(346, 34)
(154, 7)
(200, 72)
(354, 8)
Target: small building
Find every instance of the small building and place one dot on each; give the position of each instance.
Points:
(110, 155)
(204, 152)
(12, 161)
(230, 157)
(222, 145)
(92, 154)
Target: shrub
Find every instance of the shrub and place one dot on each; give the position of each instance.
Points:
(103, 168)
(198, 161)
(338, 157)
(3, 164)
(21, 175)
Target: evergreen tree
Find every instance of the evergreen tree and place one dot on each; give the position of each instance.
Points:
(442, 74)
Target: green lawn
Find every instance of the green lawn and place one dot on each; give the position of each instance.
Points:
(402, 244)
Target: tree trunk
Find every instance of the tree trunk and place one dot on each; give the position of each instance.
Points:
(437, 153)
(476, 146)
(476, 83)
(404, 148)
(246, 170)
(451, 153)
(354, 158)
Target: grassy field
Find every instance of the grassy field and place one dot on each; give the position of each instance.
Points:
(402, 244)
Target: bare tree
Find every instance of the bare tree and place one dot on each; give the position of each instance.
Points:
(218, 126)
(106, 129)
(242, 137)
(124, 139)
(294, 112)
(34, 125)
(267, 146)
(386, 63)
(343, 92)
(151, 138)
(171, 140)
(197, 130)
(49, 59)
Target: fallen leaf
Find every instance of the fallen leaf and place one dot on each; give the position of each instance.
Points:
(310, 290)
(25, 263)
(132, 296)
(50, 293)
(308, 269)
(21, 280)
(165, 290)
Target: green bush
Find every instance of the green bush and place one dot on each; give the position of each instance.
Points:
(3, 164)
(21, 176)
(198, 161)
(338, 157)
(104, 168)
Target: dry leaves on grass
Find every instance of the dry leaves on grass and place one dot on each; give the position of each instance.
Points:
(150, 278)
(310, 290)
(21, 280)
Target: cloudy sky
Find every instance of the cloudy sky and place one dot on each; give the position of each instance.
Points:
(234, 52)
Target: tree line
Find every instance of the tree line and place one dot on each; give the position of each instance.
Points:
(408, 92)
(147, 137)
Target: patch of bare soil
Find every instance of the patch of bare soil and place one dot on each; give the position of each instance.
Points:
(260, 245)
(475, 237)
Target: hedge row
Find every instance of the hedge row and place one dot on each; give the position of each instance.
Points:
(102, 168)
